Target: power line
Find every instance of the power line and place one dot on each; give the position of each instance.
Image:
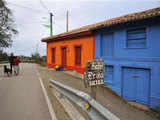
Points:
(34, 10)
(37, 11)
(28, 8)
(44, 6)
(62, 28)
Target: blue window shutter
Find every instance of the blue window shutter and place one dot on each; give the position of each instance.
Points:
(136, 38)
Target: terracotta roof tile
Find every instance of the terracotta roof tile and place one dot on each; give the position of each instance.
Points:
(118, 20)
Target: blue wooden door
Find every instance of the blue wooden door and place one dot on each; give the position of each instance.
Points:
(108, 75)
(143, 81)
(136, 85)
(129, 84)
(107, 45)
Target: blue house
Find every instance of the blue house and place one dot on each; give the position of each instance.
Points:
(130, 47)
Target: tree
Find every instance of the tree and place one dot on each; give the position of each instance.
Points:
(7, 30)
(36, 57)
(3, 56)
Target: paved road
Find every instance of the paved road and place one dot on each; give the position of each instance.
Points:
(21, 97)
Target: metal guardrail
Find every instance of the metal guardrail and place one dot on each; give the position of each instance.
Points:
(28, 61)
(24, 61)
(3, 62)
(92, 108)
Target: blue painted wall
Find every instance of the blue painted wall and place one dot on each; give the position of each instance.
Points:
(124, 63)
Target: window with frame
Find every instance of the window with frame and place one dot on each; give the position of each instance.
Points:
(136, 38)
(53, 55)
(78, 55)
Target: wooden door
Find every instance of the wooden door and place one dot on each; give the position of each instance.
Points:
(129, 84)
(53, 55)
(136, 84)
(78, 55)
(64, 56)
(143, 81)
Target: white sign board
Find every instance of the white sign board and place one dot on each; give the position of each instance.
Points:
(94, 72)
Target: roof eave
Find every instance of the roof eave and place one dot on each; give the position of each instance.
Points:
(118, 23)
(68, 36)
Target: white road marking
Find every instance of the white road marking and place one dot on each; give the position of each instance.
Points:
(52, 113)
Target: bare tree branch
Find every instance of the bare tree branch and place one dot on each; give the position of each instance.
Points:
(7, 29)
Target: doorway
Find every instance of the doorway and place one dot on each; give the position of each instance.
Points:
(64, 56)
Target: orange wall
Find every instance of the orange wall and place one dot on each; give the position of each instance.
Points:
(87, 53)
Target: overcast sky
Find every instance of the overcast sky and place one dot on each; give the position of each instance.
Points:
(30, 15)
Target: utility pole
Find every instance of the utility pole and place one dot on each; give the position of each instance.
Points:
(51, 29)
(67, 21)
(37, 47)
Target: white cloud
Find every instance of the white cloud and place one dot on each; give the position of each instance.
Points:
(29, 17)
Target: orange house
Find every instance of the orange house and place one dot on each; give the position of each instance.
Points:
(70, 50)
